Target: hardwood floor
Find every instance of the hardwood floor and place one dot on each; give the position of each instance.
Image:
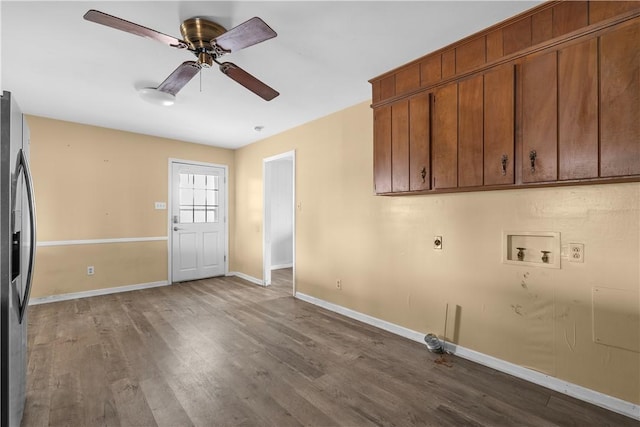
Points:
(223, 352)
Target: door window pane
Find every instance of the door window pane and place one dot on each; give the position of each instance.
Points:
(200, 181)
(212, 198)
(186, 196)
(186, 216)
(212, 215)
(212, 182)
(198, 198)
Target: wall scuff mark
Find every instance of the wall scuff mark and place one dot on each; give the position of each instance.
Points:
(566, 338)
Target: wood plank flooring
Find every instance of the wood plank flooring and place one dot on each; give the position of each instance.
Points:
(224, 352)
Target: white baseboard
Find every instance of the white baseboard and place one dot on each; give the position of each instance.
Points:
(280, 266)
(591, 396)
(247, 278)
(96, 292)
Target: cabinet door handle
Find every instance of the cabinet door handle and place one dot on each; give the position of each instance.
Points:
(532, 158)
(504, 161)
(423, 174)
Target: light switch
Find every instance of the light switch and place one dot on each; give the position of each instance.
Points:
(161, 205)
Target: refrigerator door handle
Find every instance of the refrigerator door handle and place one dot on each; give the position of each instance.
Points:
(22, 166)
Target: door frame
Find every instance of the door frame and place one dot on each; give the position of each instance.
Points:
(266, 270)
(173, 160)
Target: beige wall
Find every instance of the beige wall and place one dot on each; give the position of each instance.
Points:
(96, 183)
(381, 249)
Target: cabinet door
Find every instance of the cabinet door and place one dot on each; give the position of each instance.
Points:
(400, 146)
(540, 119)
(470, 131)
(419, 143)
(620, 101)
(445, 137)
(382, 149)
(499, 125)
(578, 111)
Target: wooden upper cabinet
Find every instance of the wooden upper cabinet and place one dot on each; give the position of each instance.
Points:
(471, 55)
(448, 63)
(470, 131)
(578, 111)
(494, 45)
(542, 26)
(566, 102)
(620, 101)
(419, 143)
(570, 16)
(601, 10)
(400, 146)
(444, 143)
(382, 149)
(499, 125)
(408, 79)
(539, 119)
(516, 36)
(431, 70)
(388, 87)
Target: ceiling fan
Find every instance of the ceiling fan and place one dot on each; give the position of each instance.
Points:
(208, 41)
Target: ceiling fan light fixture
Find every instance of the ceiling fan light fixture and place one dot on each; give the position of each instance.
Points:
(157, 97)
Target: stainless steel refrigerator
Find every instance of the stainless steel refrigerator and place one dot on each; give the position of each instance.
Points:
(17, 254)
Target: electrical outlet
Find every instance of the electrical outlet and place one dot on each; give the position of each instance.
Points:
(90, 270)
(576, 252)
(437, 242)
(339, 284)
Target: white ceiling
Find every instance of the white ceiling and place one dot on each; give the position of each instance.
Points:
(58, 65)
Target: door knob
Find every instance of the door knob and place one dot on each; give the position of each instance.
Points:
(176, 228)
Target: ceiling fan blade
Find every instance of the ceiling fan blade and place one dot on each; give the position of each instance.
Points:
(251, 32)
(120, 24)
(248, 81)
(180, 77)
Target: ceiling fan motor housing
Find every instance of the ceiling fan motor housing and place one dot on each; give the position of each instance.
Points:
(199, 32)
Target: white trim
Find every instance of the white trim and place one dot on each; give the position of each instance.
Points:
(364, 318)
(170, 207)
(611, 403)
(293, 190)
(591, 396)
(96, 292)
(265, 271)
(100, 241)
(280, 266)
(247, 278)
(266, 223)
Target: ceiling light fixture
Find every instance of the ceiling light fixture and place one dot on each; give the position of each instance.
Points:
(157, 97)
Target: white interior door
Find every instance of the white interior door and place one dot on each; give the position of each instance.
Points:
(198, 221)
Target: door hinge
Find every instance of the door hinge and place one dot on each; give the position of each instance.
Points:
(225, 258)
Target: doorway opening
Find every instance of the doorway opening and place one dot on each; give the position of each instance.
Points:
(278, 245)
(198, 226)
